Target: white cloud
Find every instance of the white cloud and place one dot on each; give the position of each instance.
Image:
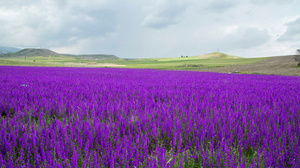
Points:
(48, 24)
(230, 29)
(265, 2)
(155, 28)
(75, 48)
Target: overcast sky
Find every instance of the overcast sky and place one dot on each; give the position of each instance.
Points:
(153, 28)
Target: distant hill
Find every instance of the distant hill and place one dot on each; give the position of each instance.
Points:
(32, 52)
(98, 56)
(216, 55)
(7, 50)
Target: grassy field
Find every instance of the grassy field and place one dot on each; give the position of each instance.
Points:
(179, 64)
(189, 63)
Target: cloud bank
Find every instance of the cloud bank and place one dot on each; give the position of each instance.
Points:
(155, 28)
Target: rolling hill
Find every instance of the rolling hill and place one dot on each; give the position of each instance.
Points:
(275, 65)
(216, 55)
(33, 52)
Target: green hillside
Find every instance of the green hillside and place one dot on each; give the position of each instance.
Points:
(216, 55)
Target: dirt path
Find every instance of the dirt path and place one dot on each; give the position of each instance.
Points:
(281, 65)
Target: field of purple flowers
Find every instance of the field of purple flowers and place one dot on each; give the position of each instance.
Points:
(105, 117)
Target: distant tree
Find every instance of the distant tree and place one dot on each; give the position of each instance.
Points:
(297, 57)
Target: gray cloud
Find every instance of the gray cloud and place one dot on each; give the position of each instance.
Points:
(47, 21)
(247, 37)
(164, 13)
(51, 23)
(293, 31)
(90, 24)
(152, 28)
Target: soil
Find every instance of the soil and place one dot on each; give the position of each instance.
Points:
(280, 65)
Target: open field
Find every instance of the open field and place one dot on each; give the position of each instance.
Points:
(103, 117)
(176, 64)
(281, 65)
(159, 63)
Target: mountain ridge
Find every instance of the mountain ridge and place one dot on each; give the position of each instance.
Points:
(34, 52)
(31, 52)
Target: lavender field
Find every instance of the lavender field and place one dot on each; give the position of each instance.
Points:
(106, 117)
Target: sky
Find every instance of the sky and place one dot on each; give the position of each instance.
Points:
(153, 28)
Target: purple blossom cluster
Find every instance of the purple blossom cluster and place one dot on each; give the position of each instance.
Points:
(106, 117)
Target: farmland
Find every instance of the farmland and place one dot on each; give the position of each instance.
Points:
(211, 62)
(111, 117)
(186, 63)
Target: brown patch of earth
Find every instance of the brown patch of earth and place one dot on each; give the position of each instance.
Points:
(280, 65)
